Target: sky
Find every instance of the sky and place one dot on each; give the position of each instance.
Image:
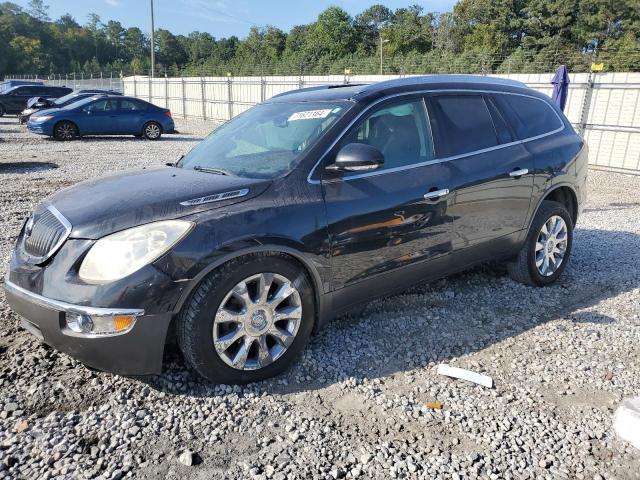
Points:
(220, 18)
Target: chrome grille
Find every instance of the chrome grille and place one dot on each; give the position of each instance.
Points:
(45, 233)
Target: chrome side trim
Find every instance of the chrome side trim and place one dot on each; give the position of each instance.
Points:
(215, 198)
(67, 307)
(437, 160)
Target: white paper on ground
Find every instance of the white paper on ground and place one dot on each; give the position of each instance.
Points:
(627, 421)
(468, 375)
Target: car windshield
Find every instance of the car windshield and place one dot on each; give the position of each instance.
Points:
(78, 103)
(66, 98)
(266, 141)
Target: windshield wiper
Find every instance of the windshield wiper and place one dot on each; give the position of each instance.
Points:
(217, 171)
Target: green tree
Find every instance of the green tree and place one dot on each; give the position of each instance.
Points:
(39, 10)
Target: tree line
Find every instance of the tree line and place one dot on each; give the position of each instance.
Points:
(478, 36)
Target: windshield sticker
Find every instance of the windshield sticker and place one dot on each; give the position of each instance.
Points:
(309, 114)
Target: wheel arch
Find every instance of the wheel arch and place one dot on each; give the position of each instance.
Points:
(296, 256)
(147, 122)
(563, 193)
(58, 122)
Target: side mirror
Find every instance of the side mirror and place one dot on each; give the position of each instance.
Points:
(357, 157)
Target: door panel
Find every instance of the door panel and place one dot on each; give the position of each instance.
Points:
(381, 221)
(131, 115)
(489, 202)
(100, 117)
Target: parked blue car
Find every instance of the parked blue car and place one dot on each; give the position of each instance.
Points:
(103, 116)
(37, 104)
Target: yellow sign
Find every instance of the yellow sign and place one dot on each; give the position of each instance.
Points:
(347, 71)
(597, 67)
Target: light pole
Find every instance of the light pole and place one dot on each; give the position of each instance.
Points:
(381, 42)
(153, 45)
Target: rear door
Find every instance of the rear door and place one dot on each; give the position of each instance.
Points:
(380, 222)
(492, 173)
(100, 117)
(131, 115)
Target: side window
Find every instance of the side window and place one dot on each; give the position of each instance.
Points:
(528, 116)
(101, 106)
(461, 124)
(400, 131)
(132, 106)
(502, 129)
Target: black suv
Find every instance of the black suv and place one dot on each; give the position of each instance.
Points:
(14, 100)
(303, 207)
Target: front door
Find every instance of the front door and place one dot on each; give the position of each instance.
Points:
(100, 117)
(492, 175)
(380, 221)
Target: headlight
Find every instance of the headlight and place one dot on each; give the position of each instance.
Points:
(43, 118)
(120, 254)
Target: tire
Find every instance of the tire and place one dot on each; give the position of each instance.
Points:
(65, 131)
(2, 111)
(529, 266)
(152, 130)
(198, 329)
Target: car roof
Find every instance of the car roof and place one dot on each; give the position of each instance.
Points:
(359, 92)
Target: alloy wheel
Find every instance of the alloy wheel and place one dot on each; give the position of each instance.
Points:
(257, 321)
(66, 131)
(551, 245)
(152, 131)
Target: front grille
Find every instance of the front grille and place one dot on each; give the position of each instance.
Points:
(45, 234)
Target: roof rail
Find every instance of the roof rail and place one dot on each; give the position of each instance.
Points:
(319, 87)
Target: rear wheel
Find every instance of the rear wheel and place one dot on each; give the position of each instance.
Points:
(152, 131)
(546, 251)
(65, 131)
(248, 320)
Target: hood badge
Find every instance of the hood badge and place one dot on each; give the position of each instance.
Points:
(218, 197)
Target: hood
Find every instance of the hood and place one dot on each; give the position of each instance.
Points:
(45, 111)
(32, 101)
(98, 207)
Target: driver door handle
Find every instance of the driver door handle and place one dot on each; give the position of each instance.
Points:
(436, 194)
(519, 173)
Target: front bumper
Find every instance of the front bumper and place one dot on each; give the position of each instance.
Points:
(136, 352)
(39, 128)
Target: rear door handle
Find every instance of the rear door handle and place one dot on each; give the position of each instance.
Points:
(519, 173)
(436, 194)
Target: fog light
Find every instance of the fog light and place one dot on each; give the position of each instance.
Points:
(100, 324)
(80, 323)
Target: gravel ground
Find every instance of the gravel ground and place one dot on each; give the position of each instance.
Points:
(562, 358)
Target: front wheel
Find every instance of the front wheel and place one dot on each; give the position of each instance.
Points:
(248, 320)
(545, 253)
(152, 131)
(65, 131)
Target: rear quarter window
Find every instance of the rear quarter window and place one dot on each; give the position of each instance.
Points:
(461, 124)
(529, 117)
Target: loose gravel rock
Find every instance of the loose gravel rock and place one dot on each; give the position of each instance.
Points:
(562, 358)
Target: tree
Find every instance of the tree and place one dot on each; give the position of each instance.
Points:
(331, 36)
(369, 25)
(39, 10)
